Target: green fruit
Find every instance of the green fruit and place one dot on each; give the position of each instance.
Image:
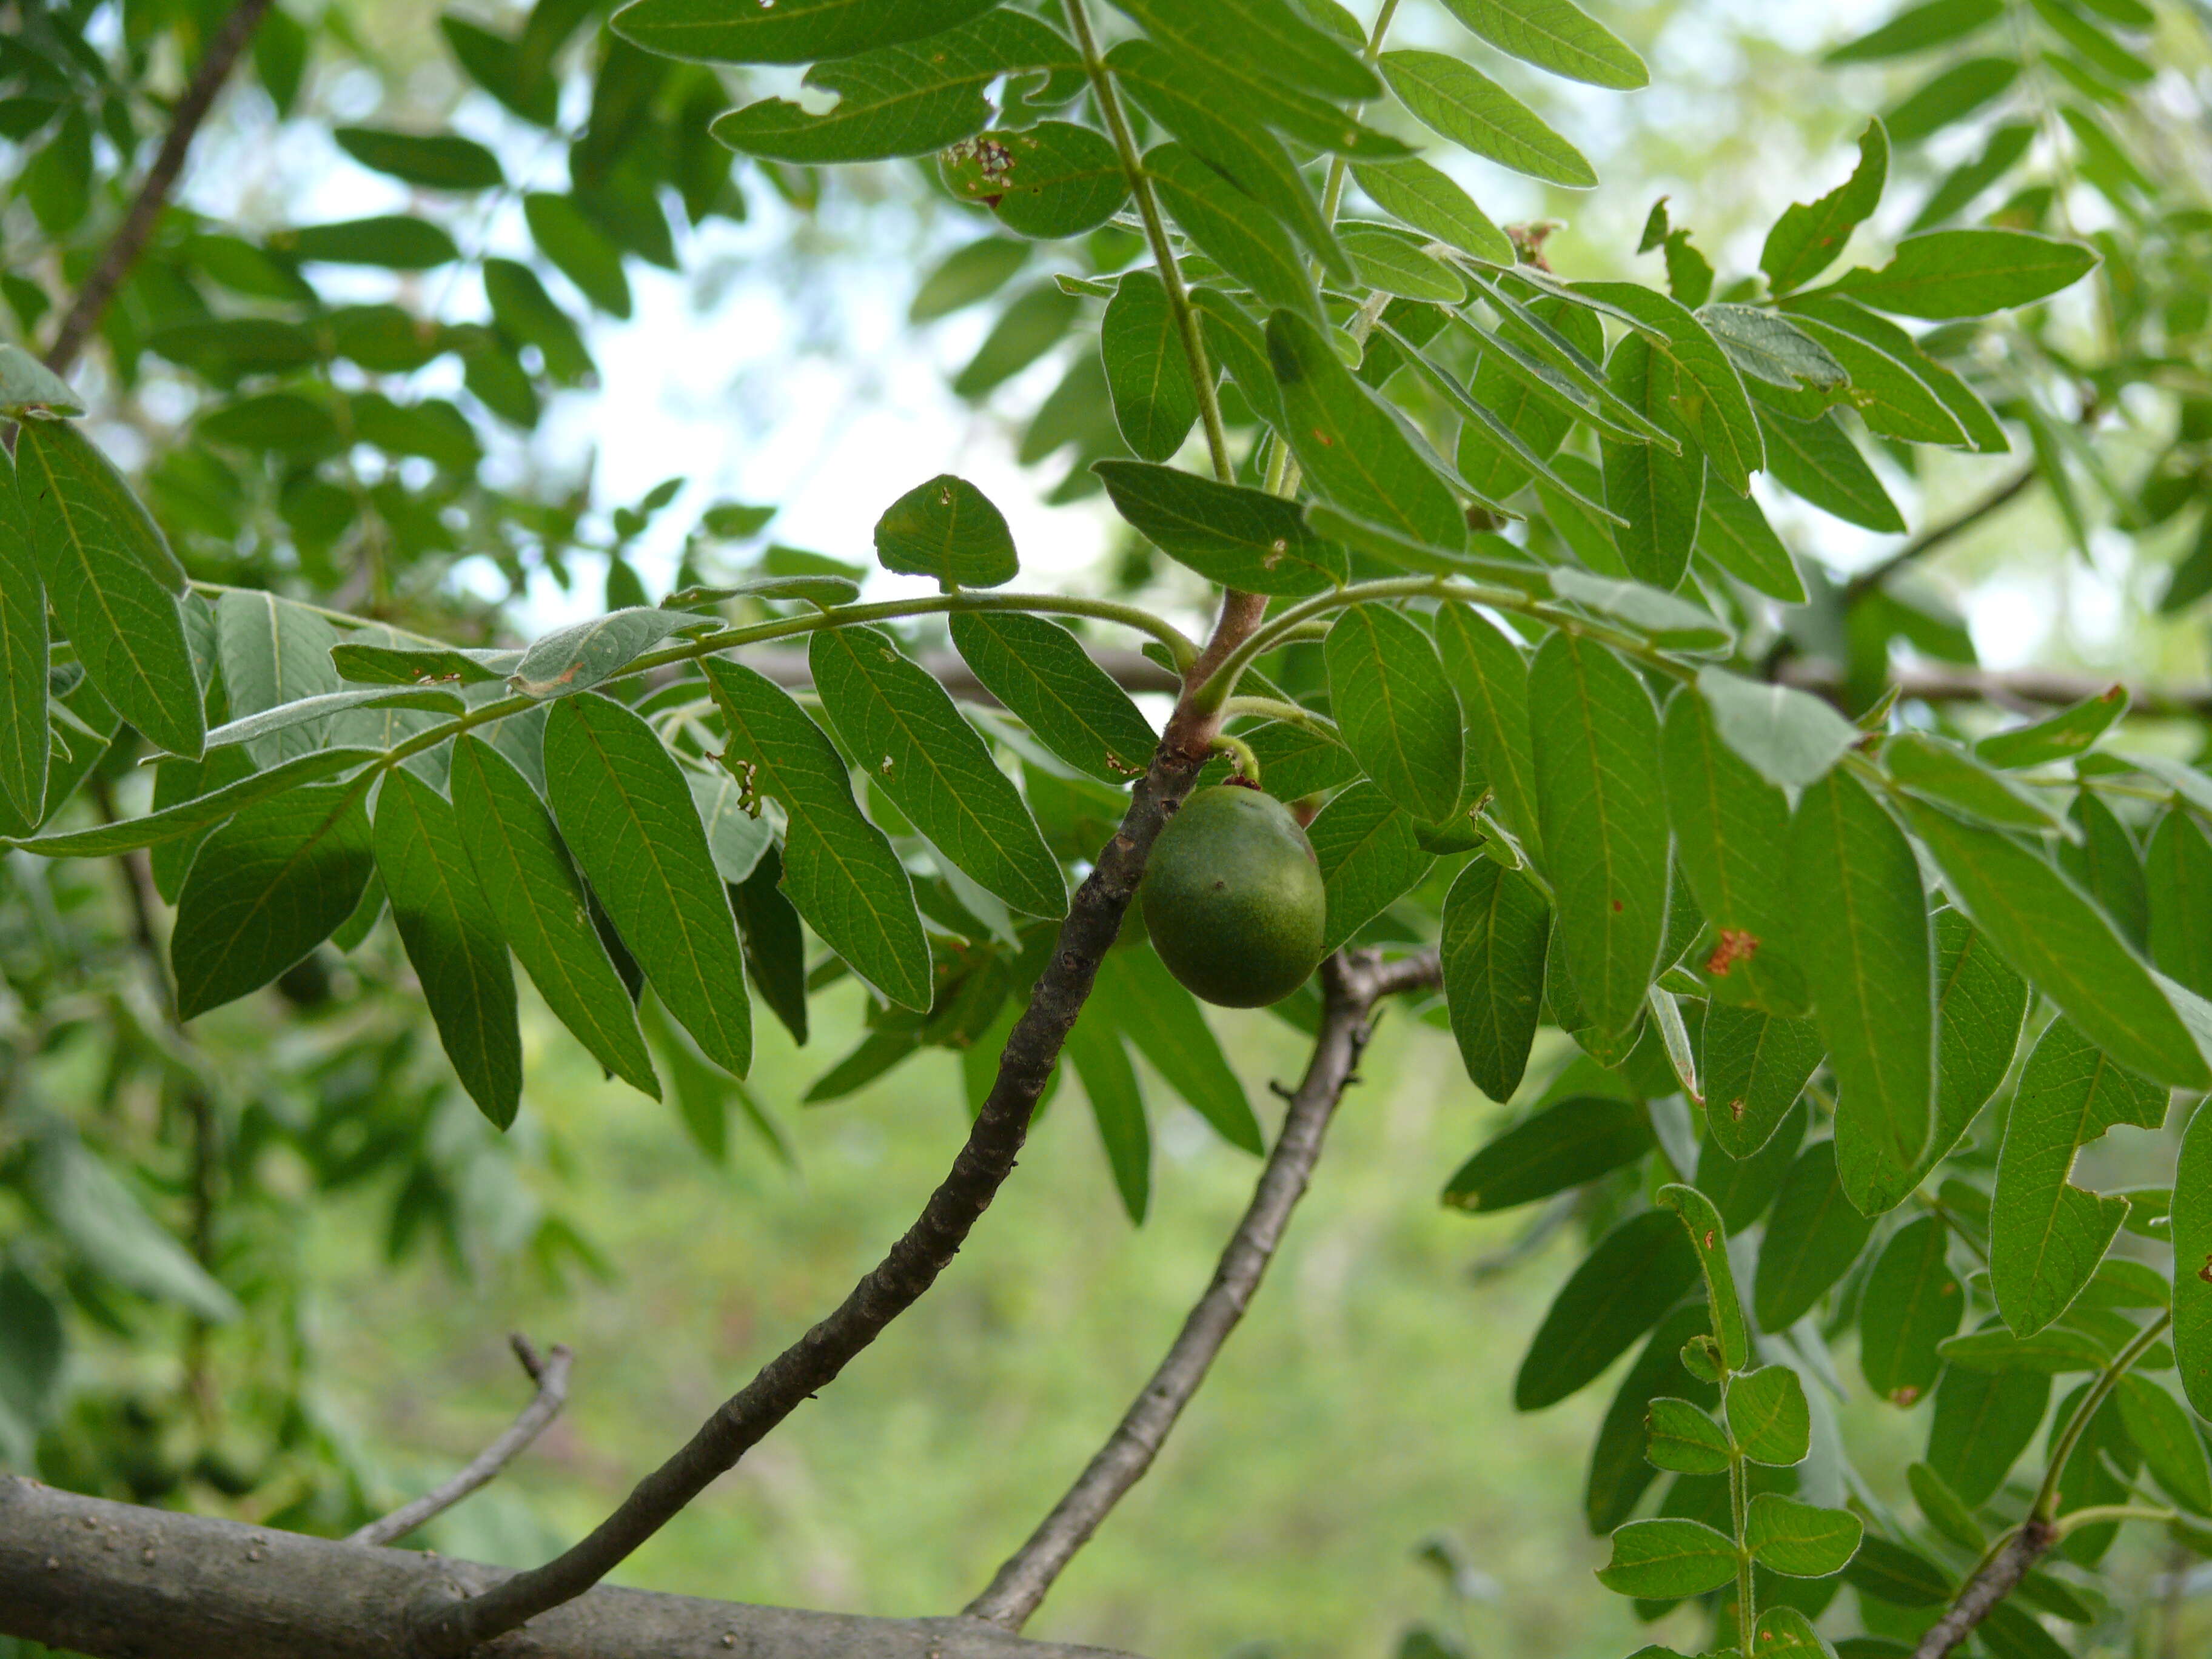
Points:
(1233, 899)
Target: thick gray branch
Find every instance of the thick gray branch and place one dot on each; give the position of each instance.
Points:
(1352, 985)
(117, 1582)
(550, 1374)
(1987, 1588)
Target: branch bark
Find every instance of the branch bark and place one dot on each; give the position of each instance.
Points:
(550, 1374)
(1352, 985)
(117, 1582)
(130, 237)
(1997, 1580)
(913, 1263)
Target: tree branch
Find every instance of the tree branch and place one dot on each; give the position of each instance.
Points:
(1929, 540)
(550, 1374)
(1999, 1577)
(117, 1582)
(913, 1263)
(130, 237)
(1352, 985)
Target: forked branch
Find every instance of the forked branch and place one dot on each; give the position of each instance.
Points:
(550, 1374)
(1352, 985)
(911, 1265)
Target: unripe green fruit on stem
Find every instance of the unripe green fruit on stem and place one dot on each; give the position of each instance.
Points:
(1233, 899)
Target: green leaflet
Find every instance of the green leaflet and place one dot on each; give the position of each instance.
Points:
(1576, 1140)
(1709, 393)
(1944, 1509)
(2193, 1260)
(1666, 1559)
(274, 653)
(1916, 29)
(1769, 347)
(1368, 857)
(1595, 747)
(523, 309)
(1147, 373)
(1980, 1005)
(1812, 1239)
(1754, 1065)
(396, 241)
(792, 31)
(1429, 200)
(1389, 259)
(905, 99)
(912, 741)
(1808, 237)
(2161, 1429)
(1622, 1288)
(774, 943)
(1768, 1416)
(1734, 533)
(1496, 927)
(2044, 926)
(539, 906)
(1490, 677)
(24, 656)
(1619, 1471)
(1396, 710)
(1047, 181)
(2046, 1235)
(1969, 273)
(106, 1227)
(578, 657)
(1862, 939)
(1352, 447)
(437, 160)
(1042, 672)
(1686, 1439)
(1522, 400)
(1297, 761)
(736, 838)
(1898, 1575)
(1166, 1024)
(197, 813)
(627, 815)
(2178, 872)
(1798, 1539)
(1117, 1105)
(948, 529)
(1555, 35)
(453, 940)
(2054, 1350)
(2106, 865)
(1655, 494)
(28, 384)
(1664, 618)
(1817, 460)
(1230, 32)
(578, 249)
(838, 869)
(1912, 1302)
(1709, 1238)
(1948, 775)
(111, 580)
(266, 889)
(1459, 102)
(1238, 538)
(1233, 229)
(1254, 160)
(1889, 397)
(1983, 1422)
(2061, 736)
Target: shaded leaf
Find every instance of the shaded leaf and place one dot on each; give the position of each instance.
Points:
(1576, 1140)
(1496, 928)
(948, 529)
(1622, 1288)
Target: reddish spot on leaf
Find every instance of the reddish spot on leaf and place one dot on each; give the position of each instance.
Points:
(1735, 1110)
(1735, 945)
(1905, 1395)
(1618, 905)
(1709, 1238)
(1327, 441)
(2204, 1272)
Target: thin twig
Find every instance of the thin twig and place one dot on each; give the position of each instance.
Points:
(913, 1263)
(130, 237)
(550, 1374)
(1929, 540)
(1351, 985)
